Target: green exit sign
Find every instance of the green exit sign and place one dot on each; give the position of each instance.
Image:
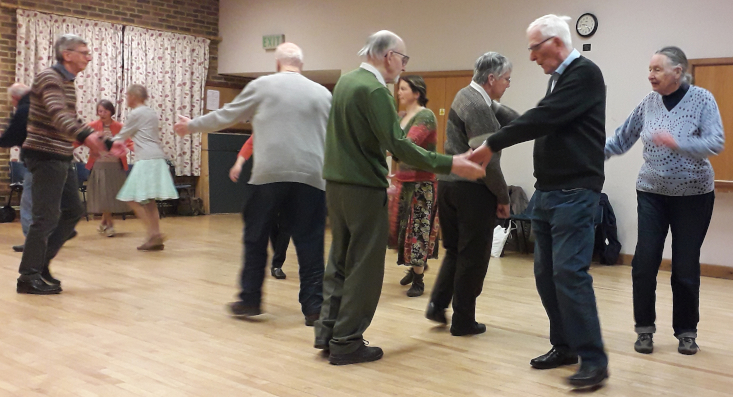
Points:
(272, 41)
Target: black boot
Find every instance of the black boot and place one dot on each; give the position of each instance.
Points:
(418, 286)
(409, 275)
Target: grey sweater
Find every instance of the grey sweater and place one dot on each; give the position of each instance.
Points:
(289, 115)
(471, 119)
(697, 128)
(141, 126)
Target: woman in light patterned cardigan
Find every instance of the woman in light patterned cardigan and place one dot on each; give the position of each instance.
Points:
(680, 127)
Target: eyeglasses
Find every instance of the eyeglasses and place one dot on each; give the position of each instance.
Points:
(405, 58)
(85, 53)
(538, 45)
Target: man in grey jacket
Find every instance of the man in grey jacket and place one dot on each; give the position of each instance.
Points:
(289, 115)
(468, 208)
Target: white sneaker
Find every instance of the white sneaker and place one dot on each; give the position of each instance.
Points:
(110, 232)
(102, 228)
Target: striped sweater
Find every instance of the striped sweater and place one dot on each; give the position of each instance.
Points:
(53, 124)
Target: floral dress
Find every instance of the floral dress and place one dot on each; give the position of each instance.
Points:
(413, 207)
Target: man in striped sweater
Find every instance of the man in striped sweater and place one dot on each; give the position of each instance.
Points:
(53, 126)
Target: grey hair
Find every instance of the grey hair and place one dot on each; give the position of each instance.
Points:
(289, 54)
(676, 58)
(552, 25)
(18, 90)
(138, 90)
(379, 44)
(67, 42)
(488, 64)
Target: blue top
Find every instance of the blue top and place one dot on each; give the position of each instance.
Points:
(697, 128)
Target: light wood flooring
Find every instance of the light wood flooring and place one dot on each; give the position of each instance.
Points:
(131, 323)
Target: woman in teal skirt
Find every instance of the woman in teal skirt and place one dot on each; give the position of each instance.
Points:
(150, 178)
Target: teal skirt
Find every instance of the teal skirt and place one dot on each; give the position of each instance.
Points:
(148, 180)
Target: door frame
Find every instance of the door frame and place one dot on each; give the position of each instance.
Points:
(720, 185)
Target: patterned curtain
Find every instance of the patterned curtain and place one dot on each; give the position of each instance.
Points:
(102, 79)
(173, 68)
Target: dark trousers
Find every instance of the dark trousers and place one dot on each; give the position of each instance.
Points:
(303, 210)
(56, 211)
(562, 221)
(355, 272)
(689, 218)
(467, 217)
(280, 239)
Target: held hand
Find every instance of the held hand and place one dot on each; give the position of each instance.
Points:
(234, 173)
(502, 211)
(465, 168)
(481, 156)
(118, 149)
(181, 127)
(95, 143)
(664, 138)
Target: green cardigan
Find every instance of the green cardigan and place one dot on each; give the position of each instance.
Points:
(362, 126)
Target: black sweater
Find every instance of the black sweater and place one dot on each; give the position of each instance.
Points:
(16, 132)
(568, 126)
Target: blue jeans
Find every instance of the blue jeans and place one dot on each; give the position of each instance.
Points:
(303, 214)
(26, 203)
(562, 222)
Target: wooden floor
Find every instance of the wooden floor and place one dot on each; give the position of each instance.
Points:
(154, 324)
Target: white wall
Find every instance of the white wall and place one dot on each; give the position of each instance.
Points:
(442, 35)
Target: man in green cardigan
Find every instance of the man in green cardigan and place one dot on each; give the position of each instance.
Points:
(363, 124)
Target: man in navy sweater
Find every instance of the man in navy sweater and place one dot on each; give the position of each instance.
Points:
(14, 135)
(568, 126)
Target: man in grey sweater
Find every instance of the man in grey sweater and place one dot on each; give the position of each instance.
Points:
(289, 115)
(468, 208)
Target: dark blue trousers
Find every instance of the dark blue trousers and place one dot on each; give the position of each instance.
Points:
(303, 215)
(563, 225)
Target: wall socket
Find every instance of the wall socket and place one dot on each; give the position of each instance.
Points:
(586, 47)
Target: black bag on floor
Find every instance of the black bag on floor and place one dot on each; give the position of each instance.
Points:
(607, 246)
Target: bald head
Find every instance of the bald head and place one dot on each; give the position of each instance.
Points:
(289, 55)
(17, 91)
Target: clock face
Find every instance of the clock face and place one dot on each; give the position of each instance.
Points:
(587, 25)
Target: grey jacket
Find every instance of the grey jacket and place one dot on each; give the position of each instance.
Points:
(470, 122)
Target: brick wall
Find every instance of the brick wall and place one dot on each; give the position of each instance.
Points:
(196, 17)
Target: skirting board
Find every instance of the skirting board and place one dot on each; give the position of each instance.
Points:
(716, 271)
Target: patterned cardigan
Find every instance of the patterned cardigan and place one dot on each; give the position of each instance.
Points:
(53, 124)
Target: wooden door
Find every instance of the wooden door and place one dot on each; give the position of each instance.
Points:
(716, 76)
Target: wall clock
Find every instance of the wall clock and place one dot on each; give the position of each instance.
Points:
(587, 25)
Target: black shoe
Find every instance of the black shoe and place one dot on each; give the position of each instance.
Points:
(363, 354)
(321, 344)
(18, 248)
(644, 344)
(72, 235)
(36, 286)
(278, 273)
(553, 359)
(476, 329)
(688, 346)
(588, 376)
(435, 314)
(48, 278)
(310, 319)
(240, 309)
(418, 286)
(409, 275)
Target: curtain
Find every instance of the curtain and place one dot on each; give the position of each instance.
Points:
(102, 78)
(173, 68)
